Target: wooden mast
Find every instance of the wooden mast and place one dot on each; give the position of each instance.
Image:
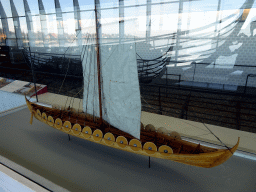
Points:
(97, 23)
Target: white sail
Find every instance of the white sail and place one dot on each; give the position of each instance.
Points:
(120, 87)
(90, 75)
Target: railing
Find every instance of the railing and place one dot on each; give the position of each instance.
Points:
(166, 79)
(249, 75)
(228, 109)
(214, 66)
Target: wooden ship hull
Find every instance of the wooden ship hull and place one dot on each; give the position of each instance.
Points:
(56, 63)
(160, 144)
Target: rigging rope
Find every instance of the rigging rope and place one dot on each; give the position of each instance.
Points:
(195, 127)
(93, 77)
(162, 62)
(66, 51)
(66, 73)
(218, 139)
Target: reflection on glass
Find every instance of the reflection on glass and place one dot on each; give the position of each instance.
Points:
(2, 35)
(52, 31)
(59, 20)
(109, 3)
(7, 7)
(110, 25)
(186, 31)
(19, 7)
(49, 6)
(86, 5)
(33, 5)
(66, 5)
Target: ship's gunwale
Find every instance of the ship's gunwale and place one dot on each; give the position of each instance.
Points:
(202, 159)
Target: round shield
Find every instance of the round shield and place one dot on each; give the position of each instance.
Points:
(97, 135)
(135, 145)
(50, 120)
(76, 129)
(150, 127)
(165, 150)
(175, 134)
(150, 148)
(58, 123)
(44, 116)
(162, 130)
(109, 138)
(38, 113)
(121, 141)
(66, 126)
(87, 132)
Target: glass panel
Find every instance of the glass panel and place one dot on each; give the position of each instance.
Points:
(69, 29)
(69, 23)
(136, 16)
(134, 2)
(198, 29)
(87, 25)
(135, 19)
(110, 25)
(249, 24)
(170, 20)
(52, 31)
(156, 13)
(19, 7)
(109, 3)
(7, 8)
(36, 24)
(206, 5)
(12, 37)
(49, 6)
(37, 31)
(131, 22)
(164, 1)
(33, 6)
(10, 24)
(86, 5)
(201, 21)
(23, 26)
(66, 5)
(230, 5)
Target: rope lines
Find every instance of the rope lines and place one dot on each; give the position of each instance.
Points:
(194, 126)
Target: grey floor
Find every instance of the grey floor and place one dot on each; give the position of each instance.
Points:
(79, 165)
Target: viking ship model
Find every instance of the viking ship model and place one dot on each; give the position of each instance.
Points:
(112, 110)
